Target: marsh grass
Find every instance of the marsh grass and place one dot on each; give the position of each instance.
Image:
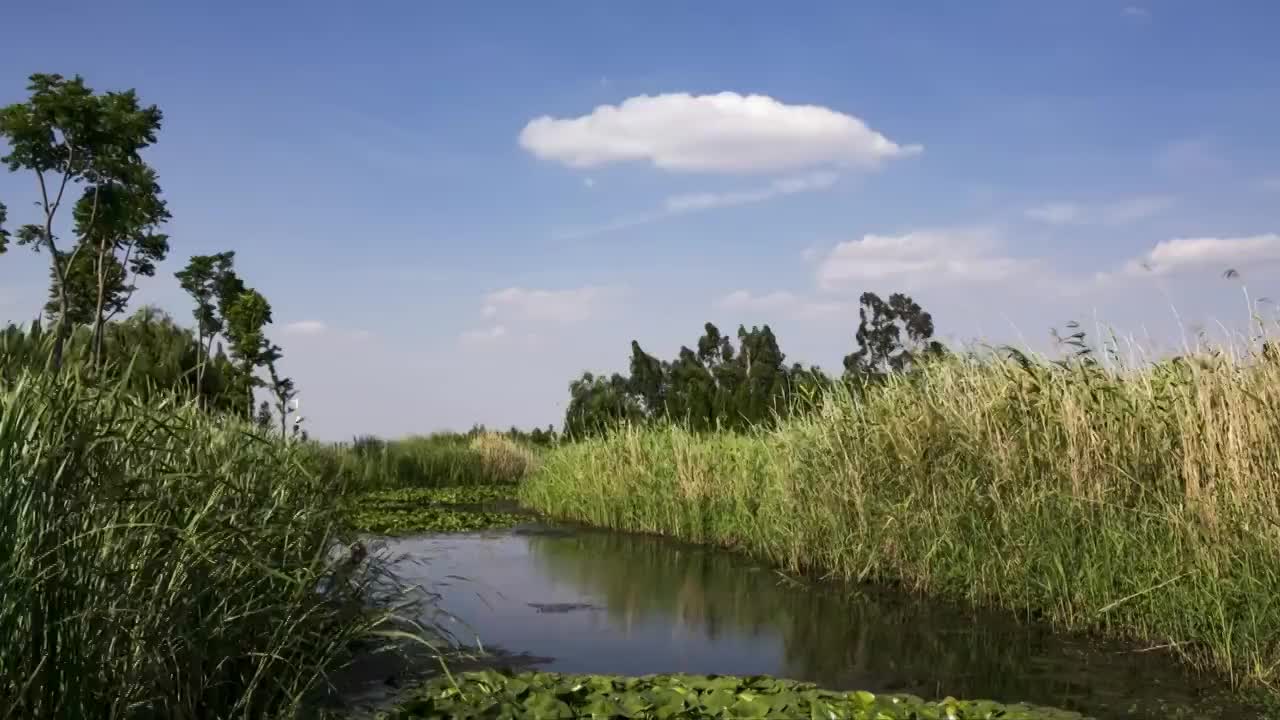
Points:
(160, 563)
(442, 460)
(1142, 502)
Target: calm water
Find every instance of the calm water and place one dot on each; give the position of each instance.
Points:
(594, 601)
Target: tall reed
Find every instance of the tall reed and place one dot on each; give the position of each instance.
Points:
(443, 460)
(1140, 502)
(159, 563)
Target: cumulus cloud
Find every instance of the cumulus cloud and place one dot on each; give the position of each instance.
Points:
(1117, 213)
(1215, 253)
(557, 306)
(725, 132)
(306, 327)
(918, 258)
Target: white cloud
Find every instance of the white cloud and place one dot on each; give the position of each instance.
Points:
(695, 202)
(1214, 253)
(558, 306)
(919, 258)
(1136, 12)
(306, 327)
(589, 182)
(810, 253)
(725, 132)
(489, 334)
(783, 186)
(1117, 213)
(780, 302)
(744, 300)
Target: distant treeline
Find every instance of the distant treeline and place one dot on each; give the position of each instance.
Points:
(717, 385)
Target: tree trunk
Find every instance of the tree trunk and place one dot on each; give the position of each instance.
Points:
(98, 320)
(199, 365)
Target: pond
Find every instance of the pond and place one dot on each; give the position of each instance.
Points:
(592, 601)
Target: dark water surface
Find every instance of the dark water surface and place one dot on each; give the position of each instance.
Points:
(601, 602)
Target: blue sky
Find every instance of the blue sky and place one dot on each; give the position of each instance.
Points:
(433, 194)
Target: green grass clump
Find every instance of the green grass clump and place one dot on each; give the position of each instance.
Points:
(442, 460)
(419, 510)
(160, 563)
(1142, 503)
(549, 696)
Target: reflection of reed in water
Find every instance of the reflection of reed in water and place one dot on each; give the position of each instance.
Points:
(842, 638)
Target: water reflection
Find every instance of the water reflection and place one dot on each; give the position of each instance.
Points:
(601, 602)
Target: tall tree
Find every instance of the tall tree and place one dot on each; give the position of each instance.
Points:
(118, 218)
(65, 134)
(597, 404)
(648, 381)
(891, 336)
(206, 278)
(247, 317)
(761, 378)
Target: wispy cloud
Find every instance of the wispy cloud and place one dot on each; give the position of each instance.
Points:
(785, 186)
(483, 335)
(780, 302)
(306, 327)
(1117, 213)
(696, 202)
(1136, 12)
(565, 306)
(724, 132)
(1196, 156)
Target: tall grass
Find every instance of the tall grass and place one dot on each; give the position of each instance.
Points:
(442, 460)
(156, 563)
(1141, 502)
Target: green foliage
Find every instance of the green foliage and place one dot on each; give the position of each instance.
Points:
(597, 404)
(79, 267)
(882, 347)
(420, 510)
(65, 134)
(149, 354)
(720, 386)
(551, 696)
(158, 563)
(435, 461)
(1140, 503)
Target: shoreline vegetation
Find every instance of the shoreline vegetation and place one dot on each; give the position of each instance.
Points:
(1140, 503)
